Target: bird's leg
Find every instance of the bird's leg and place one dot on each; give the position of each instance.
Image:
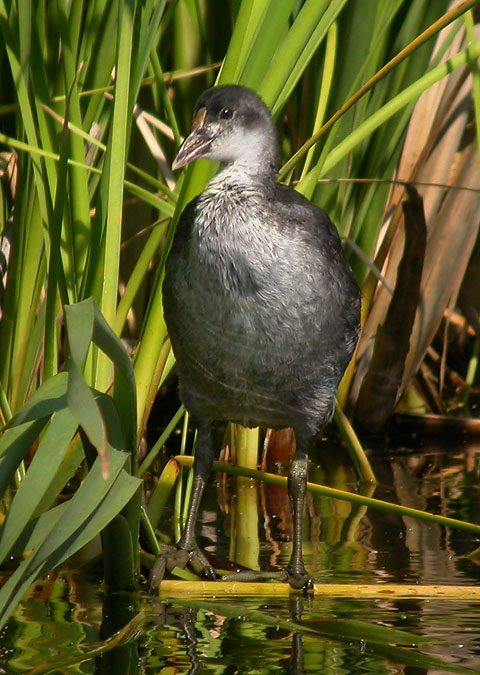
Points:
(295, 572)
(186, 552)
(297, 576)
(202, 467)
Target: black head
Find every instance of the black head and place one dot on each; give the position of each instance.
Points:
(231, 125)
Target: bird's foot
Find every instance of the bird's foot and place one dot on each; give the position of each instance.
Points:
(298, 579)
(181, 555)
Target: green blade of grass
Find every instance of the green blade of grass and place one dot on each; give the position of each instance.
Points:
(115, 171)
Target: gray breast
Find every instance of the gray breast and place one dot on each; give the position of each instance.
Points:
(247, 318)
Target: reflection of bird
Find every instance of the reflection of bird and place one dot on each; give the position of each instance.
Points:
(261, 307)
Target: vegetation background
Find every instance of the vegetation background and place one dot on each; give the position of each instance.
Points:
(377, 104)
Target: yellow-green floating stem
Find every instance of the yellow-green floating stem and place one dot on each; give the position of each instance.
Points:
(171, 588)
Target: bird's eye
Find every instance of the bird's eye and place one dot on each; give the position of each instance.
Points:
(226, 113)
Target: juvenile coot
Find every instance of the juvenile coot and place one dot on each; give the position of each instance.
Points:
(261, 307)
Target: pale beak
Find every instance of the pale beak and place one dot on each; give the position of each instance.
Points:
(196, 143)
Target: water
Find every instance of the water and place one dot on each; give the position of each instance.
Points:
(67, 615)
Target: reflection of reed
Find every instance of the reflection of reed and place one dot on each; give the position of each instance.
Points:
(244, 541)
(278, 450)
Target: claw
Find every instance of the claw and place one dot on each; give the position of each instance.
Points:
(299, 578)
(302, 582)
(200, 565)
(171, 557)
(178, 556)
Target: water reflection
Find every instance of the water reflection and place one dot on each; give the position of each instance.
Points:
(341, 637)
(345, 542)
(68, 614)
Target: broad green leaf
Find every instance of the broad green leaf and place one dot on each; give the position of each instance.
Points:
(112, 421)
(86, 325)
(50, 469)
(79, 320)
(14, 446)
(93, 506)
(35, 533)
(125, 390)
(84, 408)
(47, 399)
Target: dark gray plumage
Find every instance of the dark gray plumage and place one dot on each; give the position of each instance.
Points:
(261, 307)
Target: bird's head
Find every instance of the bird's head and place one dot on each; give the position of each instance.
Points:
(231, 125)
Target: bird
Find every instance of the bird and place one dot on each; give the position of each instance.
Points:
(261, 306)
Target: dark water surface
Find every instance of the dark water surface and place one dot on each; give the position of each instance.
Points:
(62, 618)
